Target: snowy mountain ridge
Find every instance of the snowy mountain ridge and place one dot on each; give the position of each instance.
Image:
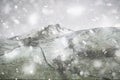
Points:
(51, 31)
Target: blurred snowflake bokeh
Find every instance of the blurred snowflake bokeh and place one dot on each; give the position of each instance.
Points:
(21, 16)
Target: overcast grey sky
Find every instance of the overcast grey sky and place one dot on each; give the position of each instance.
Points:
(21, 16)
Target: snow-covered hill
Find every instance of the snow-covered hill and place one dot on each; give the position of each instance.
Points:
(72, 54)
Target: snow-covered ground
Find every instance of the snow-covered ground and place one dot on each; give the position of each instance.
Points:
(89, 53)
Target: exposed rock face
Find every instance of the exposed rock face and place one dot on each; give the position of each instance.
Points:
(48, 33)
(72, 54)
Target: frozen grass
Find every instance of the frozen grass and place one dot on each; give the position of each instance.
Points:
(13, 70)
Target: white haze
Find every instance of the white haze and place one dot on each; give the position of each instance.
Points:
(18, 17)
